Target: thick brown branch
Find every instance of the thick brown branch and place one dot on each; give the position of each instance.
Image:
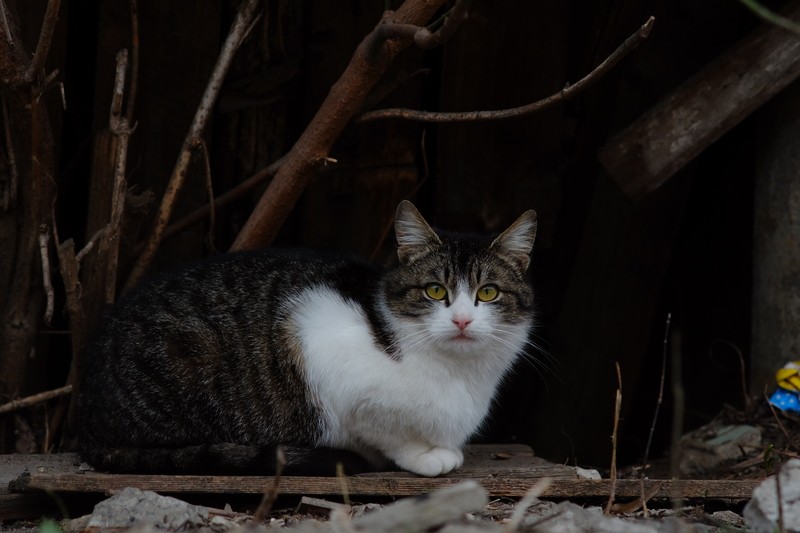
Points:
(33, 400)
(566, 93)
(239, 29)
(342, 103)
(420, 35)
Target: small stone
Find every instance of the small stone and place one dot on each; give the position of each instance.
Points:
(728, 517)
(587, 473)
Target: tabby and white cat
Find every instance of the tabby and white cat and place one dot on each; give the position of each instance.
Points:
(214, 366)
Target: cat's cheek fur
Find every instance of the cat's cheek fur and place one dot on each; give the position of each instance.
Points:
(409, 409)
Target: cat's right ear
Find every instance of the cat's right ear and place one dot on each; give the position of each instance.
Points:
(415, 237)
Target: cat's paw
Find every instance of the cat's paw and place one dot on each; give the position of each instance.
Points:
(435, 462)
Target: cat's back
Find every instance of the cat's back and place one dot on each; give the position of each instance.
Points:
(207, 353)
(238, 290)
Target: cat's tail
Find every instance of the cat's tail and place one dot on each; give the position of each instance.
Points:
(226, 458)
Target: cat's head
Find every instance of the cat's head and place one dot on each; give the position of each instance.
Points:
(465, 295)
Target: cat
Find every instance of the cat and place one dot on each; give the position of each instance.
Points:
(214, 366)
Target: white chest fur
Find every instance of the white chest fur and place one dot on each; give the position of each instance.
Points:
(418, 410)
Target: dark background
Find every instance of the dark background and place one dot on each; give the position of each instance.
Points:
(607, 269)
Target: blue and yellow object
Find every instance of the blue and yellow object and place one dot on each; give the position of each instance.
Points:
(787, 396)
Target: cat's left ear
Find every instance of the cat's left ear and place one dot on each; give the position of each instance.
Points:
(516, 242)
(415, 237)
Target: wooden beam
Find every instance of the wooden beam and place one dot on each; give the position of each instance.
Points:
(696, 114)
(387, 485)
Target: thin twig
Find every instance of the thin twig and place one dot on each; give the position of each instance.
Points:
(224, 199)
(45, 40)
(99, 234)
(119, 126)
(15, 405)
(63, 96)
(340, 477)
(742, 368)
(271, 494)
(47, 281)
(678, 398)
(613, 469)
(118, 95)
(777, 419)
(659, 401)
(212, 214)
(529, 499)
(639, 503)
(387, 228)
(4, 24)
(567, 92)
(11, 156)
(239, 29)
(772, 17)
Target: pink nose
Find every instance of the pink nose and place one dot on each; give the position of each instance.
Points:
(462, 323)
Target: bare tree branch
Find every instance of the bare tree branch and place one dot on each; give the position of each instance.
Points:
(212, 212)
(772, 17)
(47, 280)
(119, 126)
(99, 234)
(34, 399)
(388, 30)
(45, 39)
(224, 199)
(426, 39)
(241, 25)
(68, 263)
(10, 198)
(343, 102)
(566, 93)
(5, 26)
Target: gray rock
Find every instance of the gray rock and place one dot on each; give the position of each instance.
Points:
(714, 443)
(133, 507)
(761, 512)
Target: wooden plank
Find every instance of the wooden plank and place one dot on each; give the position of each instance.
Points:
(503, 470)
(700, 111)
(13, 465)
(381, 486)
(509, 460)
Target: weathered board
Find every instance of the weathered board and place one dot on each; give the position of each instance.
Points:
(505, 471)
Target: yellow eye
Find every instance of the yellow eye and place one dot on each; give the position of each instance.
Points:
(435, 291)
(487, 293)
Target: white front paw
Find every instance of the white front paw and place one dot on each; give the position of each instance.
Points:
(435, 462)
